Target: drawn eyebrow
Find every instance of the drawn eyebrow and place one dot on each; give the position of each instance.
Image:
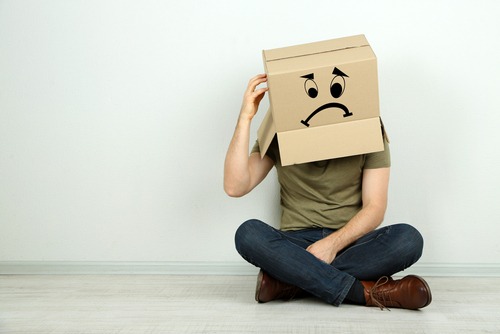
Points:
(308, 76)
(336, 71)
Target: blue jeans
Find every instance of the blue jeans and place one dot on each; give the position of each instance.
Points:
(283, 255)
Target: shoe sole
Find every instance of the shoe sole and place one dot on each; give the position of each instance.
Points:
(257, 288)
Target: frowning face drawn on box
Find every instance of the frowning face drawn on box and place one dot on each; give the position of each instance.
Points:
(336, 89)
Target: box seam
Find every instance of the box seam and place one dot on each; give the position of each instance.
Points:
(317, 53)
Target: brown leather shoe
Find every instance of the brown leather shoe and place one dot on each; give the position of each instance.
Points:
(411, 292)
(269, 288)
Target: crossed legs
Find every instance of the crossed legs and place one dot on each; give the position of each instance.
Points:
(283, 255)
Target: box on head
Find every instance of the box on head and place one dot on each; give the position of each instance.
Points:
(324, 100)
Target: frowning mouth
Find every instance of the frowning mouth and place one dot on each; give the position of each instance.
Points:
(347, 113)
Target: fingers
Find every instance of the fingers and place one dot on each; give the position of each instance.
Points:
(255, 81)
(258, 77)
(260, 91)
(253, 96)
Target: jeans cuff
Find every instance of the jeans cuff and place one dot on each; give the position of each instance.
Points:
(348, 285)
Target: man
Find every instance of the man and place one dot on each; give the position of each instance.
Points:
(328, 245)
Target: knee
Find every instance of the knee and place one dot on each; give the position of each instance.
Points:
(246, 235)
(411, 242)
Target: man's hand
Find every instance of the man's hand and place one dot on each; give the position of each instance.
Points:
(253, 96)
(324, 250)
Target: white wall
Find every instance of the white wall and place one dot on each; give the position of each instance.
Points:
(115, 117)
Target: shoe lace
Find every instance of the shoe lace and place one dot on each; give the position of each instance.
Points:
(379, 298)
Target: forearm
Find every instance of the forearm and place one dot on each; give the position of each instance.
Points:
(366, 220)
(374, 196)
(241, 172)
(236, 172)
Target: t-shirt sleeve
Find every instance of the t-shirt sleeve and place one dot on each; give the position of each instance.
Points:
(271, 151)
(379, 159)
(255, 148)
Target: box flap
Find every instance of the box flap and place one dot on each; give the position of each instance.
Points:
(318, 47)
(330, 141)
(266, 132)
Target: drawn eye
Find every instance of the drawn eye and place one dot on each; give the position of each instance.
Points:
(311, 88)
(337, 86)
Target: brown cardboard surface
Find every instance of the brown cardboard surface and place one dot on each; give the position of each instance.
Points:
(266, 132)
(314, 86)
(316, 47)
(334, 140)
(291, 105)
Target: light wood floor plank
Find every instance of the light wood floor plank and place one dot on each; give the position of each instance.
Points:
(224, 304)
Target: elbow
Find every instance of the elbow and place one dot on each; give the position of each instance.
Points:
(380, 219)
(380, 216)
(232, 191)
(376, 213)
(234, 194)
(235, 186)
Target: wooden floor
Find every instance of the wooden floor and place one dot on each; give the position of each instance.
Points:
(224, 304)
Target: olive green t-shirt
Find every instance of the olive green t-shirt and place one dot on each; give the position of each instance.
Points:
(323, 194)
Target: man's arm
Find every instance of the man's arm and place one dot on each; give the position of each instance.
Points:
(374, 195)
(242, 172)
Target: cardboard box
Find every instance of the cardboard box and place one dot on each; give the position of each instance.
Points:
(323, 100)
